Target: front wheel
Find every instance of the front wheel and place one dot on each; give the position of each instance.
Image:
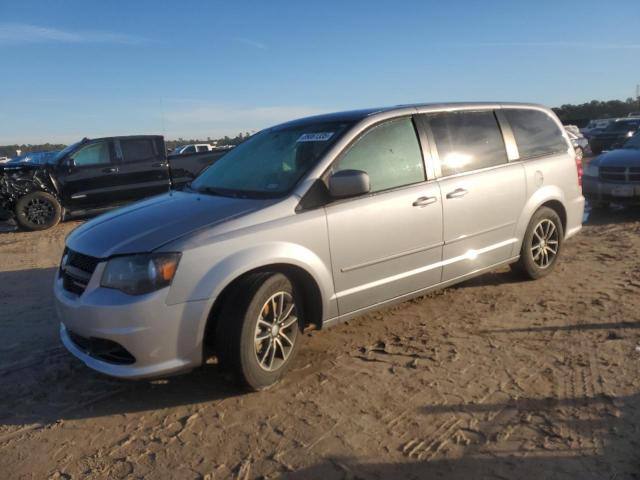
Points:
(259, 330)
(541, 244)
(38, 211)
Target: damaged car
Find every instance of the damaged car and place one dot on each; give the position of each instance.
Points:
(92, 176)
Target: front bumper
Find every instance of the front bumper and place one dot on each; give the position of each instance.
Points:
(162, 339)
(597, 190)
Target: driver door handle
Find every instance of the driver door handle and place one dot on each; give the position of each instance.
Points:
(424, 201)
(159, 165)
(457, 193)
(109, 170)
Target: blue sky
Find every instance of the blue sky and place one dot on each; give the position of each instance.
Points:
(70, 69)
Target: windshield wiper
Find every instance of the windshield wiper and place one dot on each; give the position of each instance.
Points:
(220, 192)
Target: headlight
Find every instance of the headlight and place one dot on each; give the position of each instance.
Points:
(630, 134)
(140, 274)
(592, 170)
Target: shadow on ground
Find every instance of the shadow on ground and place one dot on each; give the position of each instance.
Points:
(557, 455)
(31, 354)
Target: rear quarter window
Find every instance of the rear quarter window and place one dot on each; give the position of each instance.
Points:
(467, 141)
(536, 134)
(138, 149)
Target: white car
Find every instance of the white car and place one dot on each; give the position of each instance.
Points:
(4, 159)
(193, 148)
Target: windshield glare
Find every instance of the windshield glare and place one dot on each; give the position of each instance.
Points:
(270, 163)
(62, 153)
(633, 142)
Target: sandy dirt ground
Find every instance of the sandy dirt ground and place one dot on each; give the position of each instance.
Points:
(494, 378)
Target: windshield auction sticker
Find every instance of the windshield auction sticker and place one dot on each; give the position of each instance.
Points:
(315, 137)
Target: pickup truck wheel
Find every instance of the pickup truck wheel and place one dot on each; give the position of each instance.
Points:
(259, 331)
(541, 245)
(38, 211)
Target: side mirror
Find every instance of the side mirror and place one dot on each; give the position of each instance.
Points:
(349, 183)
(69, 162)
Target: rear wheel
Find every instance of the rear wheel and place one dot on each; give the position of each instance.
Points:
(259, 330)
(38, 211)
(541, 244)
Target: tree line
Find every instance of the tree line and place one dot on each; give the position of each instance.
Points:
(582, 113)
(568, 114)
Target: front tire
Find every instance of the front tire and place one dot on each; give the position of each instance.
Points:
(260, 329)
(541, 245)
(38, 211)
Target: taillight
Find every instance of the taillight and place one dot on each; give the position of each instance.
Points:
(580, 170)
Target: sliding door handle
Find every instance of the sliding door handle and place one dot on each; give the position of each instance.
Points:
(110, 170)
(457, 193)
(424, 201)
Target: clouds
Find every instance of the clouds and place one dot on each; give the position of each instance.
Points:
(252, 43)
(23, 34)
(558, 44)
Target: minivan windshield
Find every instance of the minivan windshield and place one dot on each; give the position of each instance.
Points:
(271, 162)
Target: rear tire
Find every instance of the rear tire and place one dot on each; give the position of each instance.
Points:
(541, 245)
(260, 329)
(38, 211)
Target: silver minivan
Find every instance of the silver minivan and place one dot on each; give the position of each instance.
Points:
(312, 222)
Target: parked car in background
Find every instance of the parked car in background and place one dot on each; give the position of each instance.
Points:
(193, 148)
(618, 131)
(634, 114)
(312, 222)
(595, 126)
(4, 159)
(91, 176)
(614, 176)
(579, 142)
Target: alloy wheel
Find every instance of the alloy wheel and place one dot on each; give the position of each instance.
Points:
(545, 242)
(39, 211)
(276, 331)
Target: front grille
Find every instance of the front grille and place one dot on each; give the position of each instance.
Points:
(81, 261)
(620, 174)
(76, 271)
(102, 349)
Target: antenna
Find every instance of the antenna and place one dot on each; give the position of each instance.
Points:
(164, 132)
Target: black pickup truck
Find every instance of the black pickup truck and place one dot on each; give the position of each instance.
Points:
(91, 176)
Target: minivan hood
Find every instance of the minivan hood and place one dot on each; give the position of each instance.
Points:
(147, 225)
(622, 157)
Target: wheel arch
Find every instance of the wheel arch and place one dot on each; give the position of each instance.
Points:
(313, 306)
(549, 196)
